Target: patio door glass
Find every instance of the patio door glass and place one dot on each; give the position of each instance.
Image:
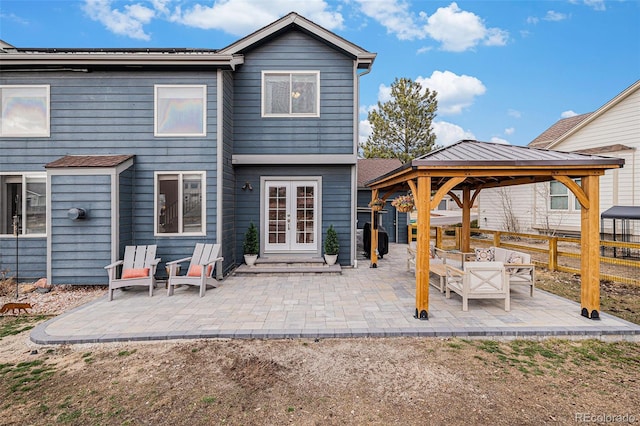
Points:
(291, 216)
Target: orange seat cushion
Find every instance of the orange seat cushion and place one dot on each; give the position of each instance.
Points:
(196, 270)
(135, 273)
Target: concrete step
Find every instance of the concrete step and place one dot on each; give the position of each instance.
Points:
(289, 266)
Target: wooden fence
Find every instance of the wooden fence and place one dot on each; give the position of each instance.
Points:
(619, 261)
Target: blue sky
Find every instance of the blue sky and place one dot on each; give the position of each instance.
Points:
(504, 70)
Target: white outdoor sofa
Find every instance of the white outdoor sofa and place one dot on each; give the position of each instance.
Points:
(518, 266)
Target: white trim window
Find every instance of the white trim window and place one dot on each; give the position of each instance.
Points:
(290, 93)
(25, 111)
(560, 196)
(180, 203)
(23, 202)
(180, 110)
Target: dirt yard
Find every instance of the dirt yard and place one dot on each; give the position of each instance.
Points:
(406, 381)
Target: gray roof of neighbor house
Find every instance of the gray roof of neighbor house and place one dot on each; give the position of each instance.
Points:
(558, 129)
(371, 168)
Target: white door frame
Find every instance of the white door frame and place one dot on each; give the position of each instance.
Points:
(291, 247)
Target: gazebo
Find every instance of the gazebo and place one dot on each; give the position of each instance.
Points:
(468, 167)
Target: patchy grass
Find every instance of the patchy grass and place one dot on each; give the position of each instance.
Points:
(621, 300)
(16, 325)
(24, 376)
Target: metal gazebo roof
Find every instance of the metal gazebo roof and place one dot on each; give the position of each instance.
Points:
(622, 212)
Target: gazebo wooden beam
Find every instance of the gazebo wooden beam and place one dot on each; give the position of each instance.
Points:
(422, 255)
(590, 249)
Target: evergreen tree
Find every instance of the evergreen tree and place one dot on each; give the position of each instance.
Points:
(402, 125)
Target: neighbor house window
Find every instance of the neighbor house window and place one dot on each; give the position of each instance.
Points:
(180, 110)
(23, 202)
(25, 111)
(290, 93)
(180, 203)
(559, 196)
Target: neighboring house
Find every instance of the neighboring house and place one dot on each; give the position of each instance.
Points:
(178, 146)
(393, 221)
(614, 131)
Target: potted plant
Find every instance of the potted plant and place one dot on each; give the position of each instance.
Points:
(331, 246)
(251, 247)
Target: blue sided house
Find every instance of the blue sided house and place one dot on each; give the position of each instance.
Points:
(104, 148)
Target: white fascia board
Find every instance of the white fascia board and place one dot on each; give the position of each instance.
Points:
(242, 159)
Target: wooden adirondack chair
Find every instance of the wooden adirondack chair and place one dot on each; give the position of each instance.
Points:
(138, 269)
(203, 262)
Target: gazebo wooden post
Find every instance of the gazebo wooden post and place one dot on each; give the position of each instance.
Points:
(374, 233)
(422, 253)
(465, 244)
(590, 249)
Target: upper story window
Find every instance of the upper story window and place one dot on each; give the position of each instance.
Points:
(290, 93)
(180, 110)
(180, 203)
(23, 204)
(25, 111)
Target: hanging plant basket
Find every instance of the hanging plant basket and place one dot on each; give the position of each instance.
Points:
(377, 204)
(405, 208)
(404, 203)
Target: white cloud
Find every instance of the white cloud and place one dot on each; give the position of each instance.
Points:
(455, 92)
(596, 4)
(448, 133)
(14, 18)
(554, 16)
(509, 131)
(514, 113)
(496, 139)
(532, 20)
(395, 16)
(457, 30)
(128, 22)
(567, 114)
(231, 15)
(364, 131)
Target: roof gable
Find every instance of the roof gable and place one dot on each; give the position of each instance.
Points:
(558, 129)
(291, 21)
(580, 123)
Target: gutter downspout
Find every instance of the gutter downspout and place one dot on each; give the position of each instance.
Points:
(354, 168)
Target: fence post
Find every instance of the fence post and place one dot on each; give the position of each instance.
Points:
(439, 236)
(553, 253)
(457, 237)
(496, 239)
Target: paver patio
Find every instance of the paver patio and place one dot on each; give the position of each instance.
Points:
(362, 302)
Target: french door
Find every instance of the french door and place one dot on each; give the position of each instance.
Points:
(291, 216)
